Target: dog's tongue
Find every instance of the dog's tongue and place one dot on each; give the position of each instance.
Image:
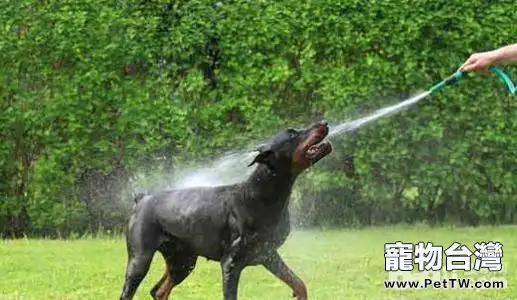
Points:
(314, 149)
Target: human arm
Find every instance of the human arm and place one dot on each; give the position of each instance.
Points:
(483, 60)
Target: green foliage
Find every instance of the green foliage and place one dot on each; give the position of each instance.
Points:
(96, 92)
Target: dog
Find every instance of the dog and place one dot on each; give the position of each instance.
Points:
(238, 225)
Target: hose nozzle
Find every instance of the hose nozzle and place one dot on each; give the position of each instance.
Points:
(448, 81)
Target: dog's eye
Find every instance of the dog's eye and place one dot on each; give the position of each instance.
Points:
(292, 133)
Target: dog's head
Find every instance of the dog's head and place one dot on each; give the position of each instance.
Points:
(295, 150)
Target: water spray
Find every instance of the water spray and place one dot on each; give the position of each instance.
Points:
(354, 124)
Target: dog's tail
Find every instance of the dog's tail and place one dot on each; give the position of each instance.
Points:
(139, 197)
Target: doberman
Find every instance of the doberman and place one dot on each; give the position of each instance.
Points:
(238, 225)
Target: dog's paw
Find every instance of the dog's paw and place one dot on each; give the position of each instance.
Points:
(301, 296)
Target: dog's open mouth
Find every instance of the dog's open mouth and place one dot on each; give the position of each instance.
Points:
(319, 149)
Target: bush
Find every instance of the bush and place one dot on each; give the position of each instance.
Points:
(96, 92)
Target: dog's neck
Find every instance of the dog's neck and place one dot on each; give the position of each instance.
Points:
(266, 185)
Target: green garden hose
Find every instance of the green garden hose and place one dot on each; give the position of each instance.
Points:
(461, 74)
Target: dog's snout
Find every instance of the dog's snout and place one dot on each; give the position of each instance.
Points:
(320, 124)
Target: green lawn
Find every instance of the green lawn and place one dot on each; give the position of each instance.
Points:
(346, 264)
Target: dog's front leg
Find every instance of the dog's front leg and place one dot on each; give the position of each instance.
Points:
(277, 267)
(231, 271)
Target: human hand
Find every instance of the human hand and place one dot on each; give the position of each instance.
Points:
(480, 62)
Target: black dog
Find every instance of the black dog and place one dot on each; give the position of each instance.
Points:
(238, 225)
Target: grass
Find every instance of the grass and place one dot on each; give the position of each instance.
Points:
(344, 264)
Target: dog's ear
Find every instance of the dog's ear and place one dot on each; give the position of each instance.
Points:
(263, 148)
(264, 157)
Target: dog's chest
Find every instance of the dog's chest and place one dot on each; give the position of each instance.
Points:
(257, 244)
(267, 228)
(274, 237)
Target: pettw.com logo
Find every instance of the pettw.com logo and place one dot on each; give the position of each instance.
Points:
(401, 257)
(421, 265)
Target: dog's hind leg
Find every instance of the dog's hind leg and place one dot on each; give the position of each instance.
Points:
(137, 268)
(160, 282)
(141, 246)
(179, 263)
